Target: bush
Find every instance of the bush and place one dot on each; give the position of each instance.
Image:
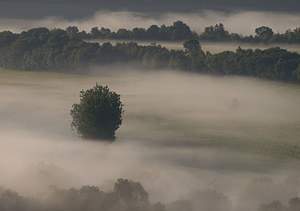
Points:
(98, 115)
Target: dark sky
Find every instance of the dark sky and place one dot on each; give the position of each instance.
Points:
(82, 8)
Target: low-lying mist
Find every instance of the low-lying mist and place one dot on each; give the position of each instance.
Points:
(182, 134)
(233, 22)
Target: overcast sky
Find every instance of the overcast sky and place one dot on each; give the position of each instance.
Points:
(83, 8)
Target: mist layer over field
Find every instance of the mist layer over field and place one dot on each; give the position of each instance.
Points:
(212, 47)
(233, 21)
(181, 133)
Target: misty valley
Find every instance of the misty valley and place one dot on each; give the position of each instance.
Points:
(149, 105)
(188, 142)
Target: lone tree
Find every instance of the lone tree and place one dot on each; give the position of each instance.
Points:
(98, 115)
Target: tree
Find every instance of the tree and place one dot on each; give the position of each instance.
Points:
(216, 32)
(98, 115)
(152, 32)
(72, 30)
(192, 46)
(123, 34)
(131, 192)
(180, 31)
(95, 32)
(264, 33)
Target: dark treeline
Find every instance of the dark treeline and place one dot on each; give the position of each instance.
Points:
(126, 196)
(263, 34)
(41, 49)
(177, 32)
(293, 205)
(180, 31)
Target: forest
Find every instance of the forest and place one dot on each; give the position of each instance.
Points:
(41, 49)
(126, 195)
(180, 31)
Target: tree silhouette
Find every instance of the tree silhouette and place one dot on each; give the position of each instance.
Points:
(98, 115)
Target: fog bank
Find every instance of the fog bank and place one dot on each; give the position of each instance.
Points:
(181, 134)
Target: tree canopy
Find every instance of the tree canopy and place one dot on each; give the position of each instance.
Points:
(180, 31)
(98, 115)
(42, 49)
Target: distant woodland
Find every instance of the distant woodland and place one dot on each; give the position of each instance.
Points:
(126, 195)
(180, 31)
(41, 49)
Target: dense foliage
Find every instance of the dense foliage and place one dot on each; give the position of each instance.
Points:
(41, 49)
(86, 198)
(126, 195)
(181, 31)
(178, 31)
(99, 113)
(263, 34)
